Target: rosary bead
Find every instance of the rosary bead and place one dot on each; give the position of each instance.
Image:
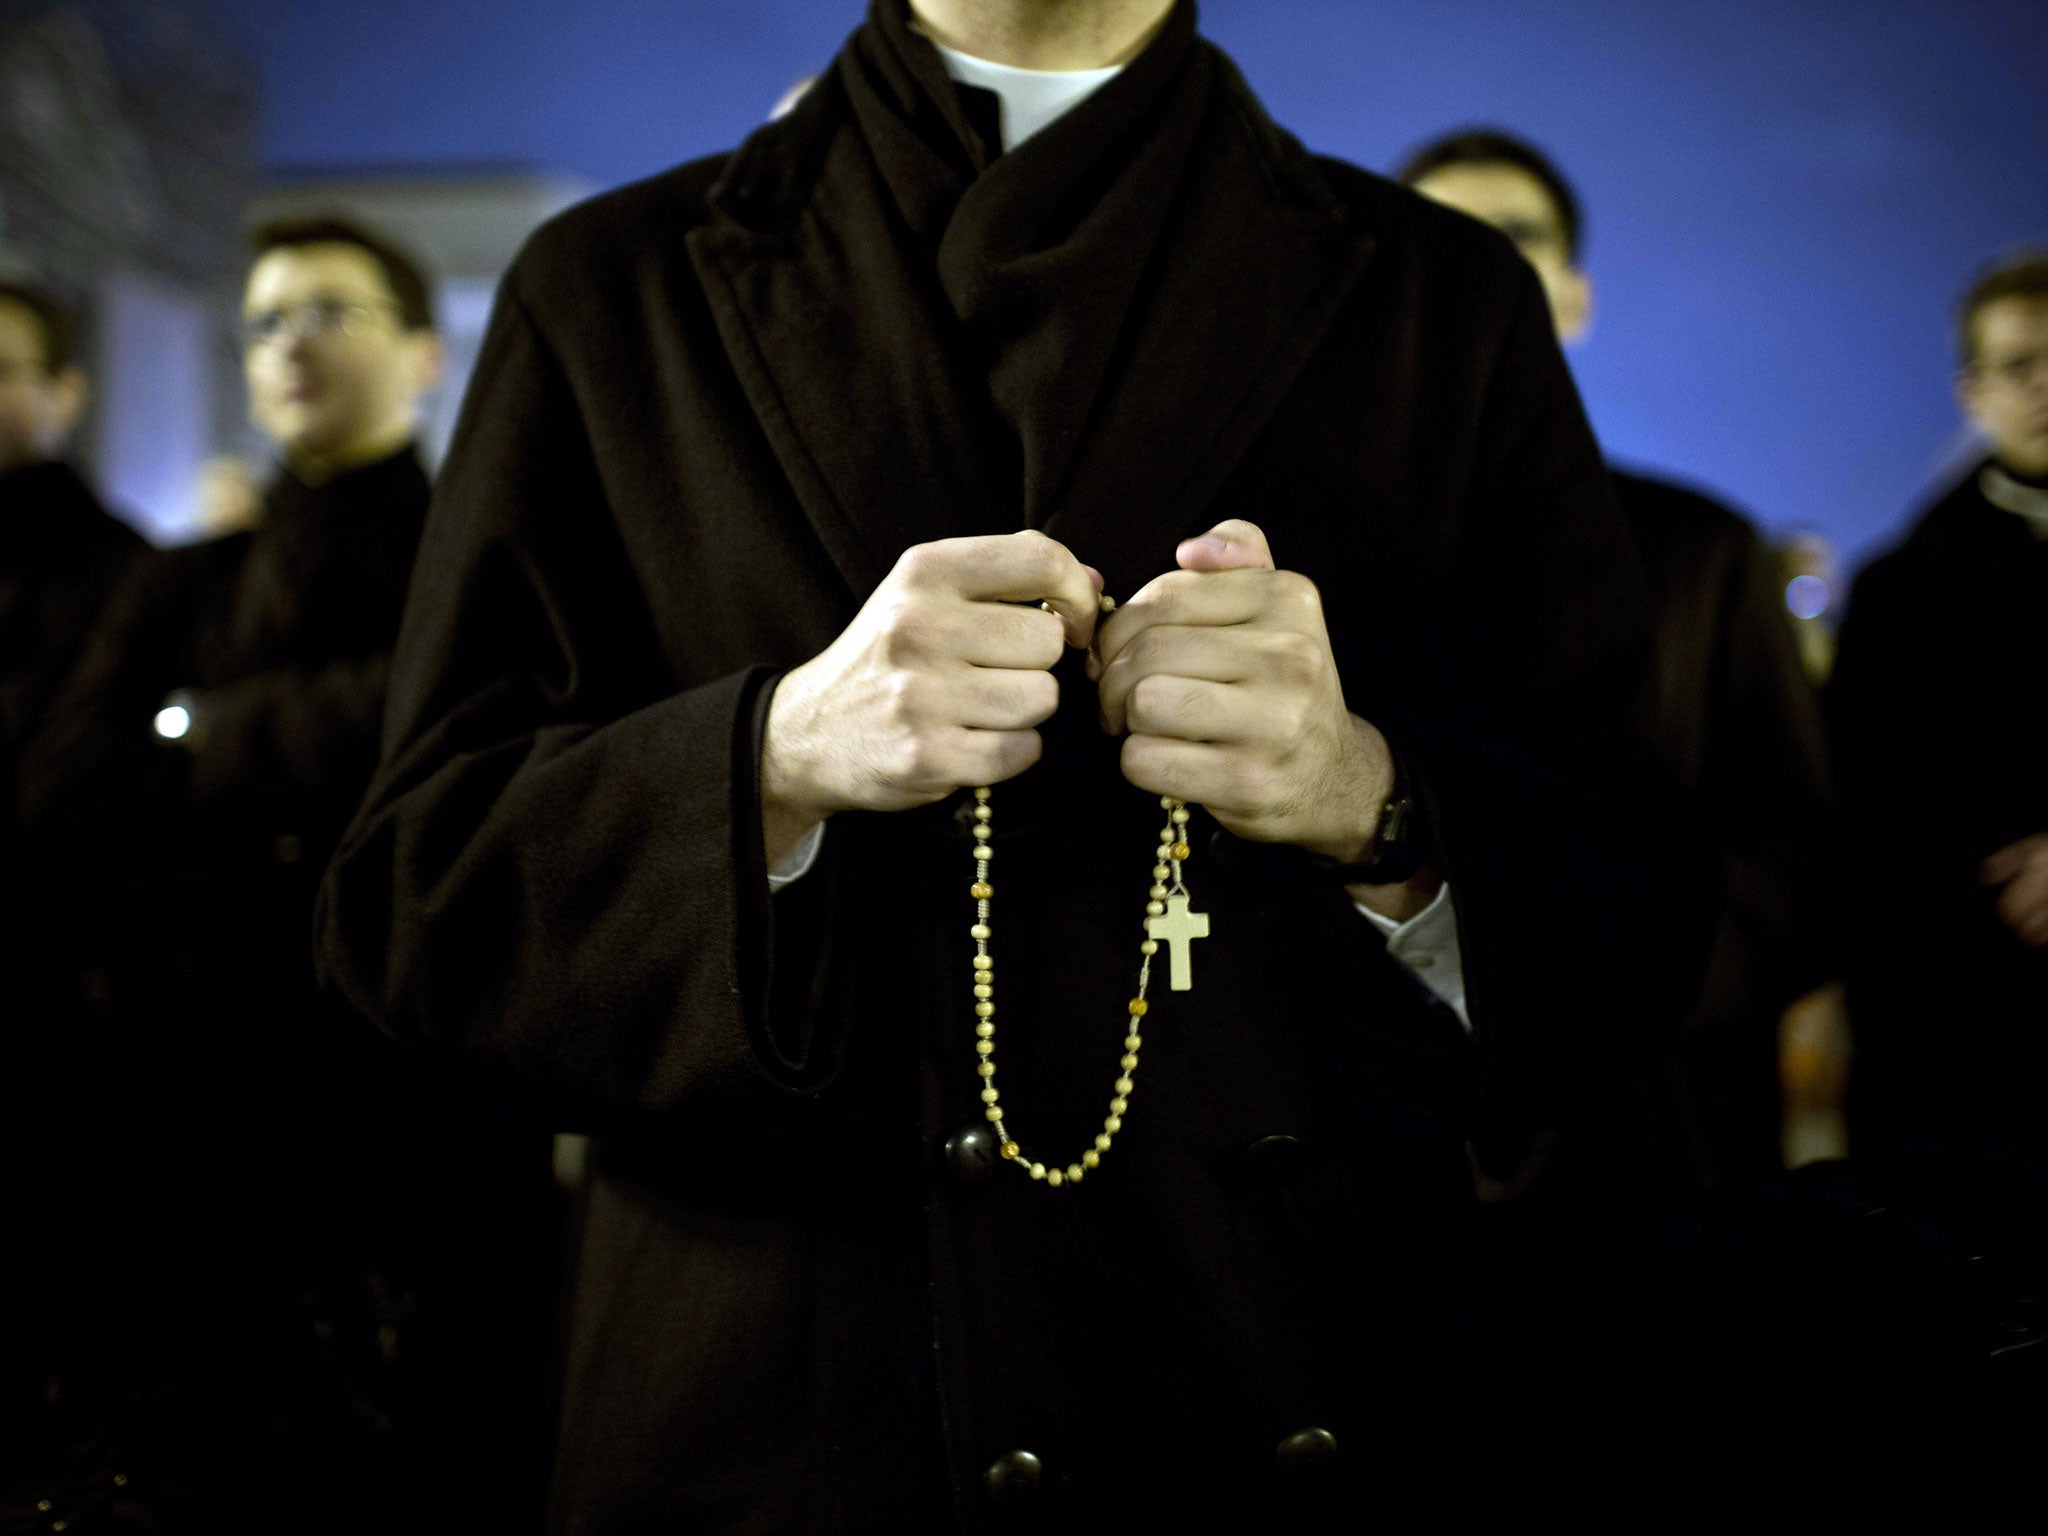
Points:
(1054, 1177)
(1122, 1085)
(989, 1095)
(981, 890)
(981, 794)
(1137, 1006)
(1037, 1170)
(1091, 1159)
(984, 811)
(985, 1068)
(1118, 1105)
(1160, 871)
(984, 962)
(1133, 1041)
(1167, 802)
(979, 931)
(1156, 892)
(1129, 1061)
(1113, 1124)
(995, 1114)
(984, 1047)
(983, 851)
(984, 1029)
(1181, 851)
(1180, 815)
(1101, 1144)
(1155, 908)
(1149, 947)
(985, 1010)
(1073, 1173)
(1166, 849)
(1010, 1150)
(984, 991)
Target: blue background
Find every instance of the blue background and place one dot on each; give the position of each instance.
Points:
(1783, 200)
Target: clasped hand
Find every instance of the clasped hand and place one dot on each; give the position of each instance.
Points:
(1218, 675)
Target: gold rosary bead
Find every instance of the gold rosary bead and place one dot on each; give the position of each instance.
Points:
(1181, 851)
(1155, 908)
(984, 991)
(1091, 1159)
(1180, 815)
(984, 811)
(1161, 871)
(1118, 1105)
(985, 1010)
(984, 1029)
(1166, 848)
(983, 851)
(1102, 1144)
(1036, 1170)
(1137, 1007)
(1113, 1124)
(982, 793)
(1010, 1150)
(979, 931)
(1149, 947)
(1073, 1173)
(981, 890)
(989, 1095)
(1122, 1085)
(1129, 1061)
(995, 1115)
(984, 962)
(985, 1068)
(1133, 1041)
(1167, 802)
(984, 1047)
(1054, 1177)
(1157, 891)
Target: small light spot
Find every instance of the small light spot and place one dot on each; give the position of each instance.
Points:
(1807, 596)
(173, 721)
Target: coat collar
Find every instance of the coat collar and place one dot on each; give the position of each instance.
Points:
(1256, 256)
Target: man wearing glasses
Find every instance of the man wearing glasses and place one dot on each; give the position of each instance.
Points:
(1941, 734)
(274, 1170)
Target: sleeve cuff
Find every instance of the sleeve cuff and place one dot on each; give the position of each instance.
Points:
(796, 863)
(1427, 944)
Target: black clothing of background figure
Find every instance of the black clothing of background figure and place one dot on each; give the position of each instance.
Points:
(712, 411)
(1740, 727)
(1941, 736)
(60, 554)
(269, 1156)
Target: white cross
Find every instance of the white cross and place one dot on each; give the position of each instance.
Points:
(1179, 927)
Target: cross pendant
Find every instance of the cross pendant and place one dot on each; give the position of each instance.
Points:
(1179, 928)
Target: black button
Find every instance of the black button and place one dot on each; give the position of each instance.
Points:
(1013, 1480)
(1272, 1156)
(972, 1154)
(1306, 1455)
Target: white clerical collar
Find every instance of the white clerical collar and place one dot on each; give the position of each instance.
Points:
(1031, 98)
(2027, 502)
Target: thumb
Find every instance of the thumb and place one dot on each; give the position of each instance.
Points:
(1232, 545)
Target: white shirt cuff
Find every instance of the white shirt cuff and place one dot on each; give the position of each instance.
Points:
(796, 863)
(1428, 945)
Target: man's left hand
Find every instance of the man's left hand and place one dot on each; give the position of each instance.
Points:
(1222, 675)
(2022, 869)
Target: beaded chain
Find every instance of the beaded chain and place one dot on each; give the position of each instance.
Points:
(1172, 853)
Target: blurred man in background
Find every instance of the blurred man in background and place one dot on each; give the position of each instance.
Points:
(1739, 723)
(1939, 706)
(286, 1182)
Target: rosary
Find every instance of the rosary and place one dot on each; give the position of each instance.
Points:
(1166, 918)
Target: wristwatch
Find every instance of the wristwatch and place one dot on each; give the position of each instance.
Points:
(1398, 849)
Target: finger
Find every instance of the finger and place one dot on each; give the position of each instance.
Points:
(1216, 598)
(1213, 655)
(1007, 635)
(2003, 865)
(1210, 776)
(1024, 567)
(989, 757)
(996, 699)
(1232, 545)
(1194, 709)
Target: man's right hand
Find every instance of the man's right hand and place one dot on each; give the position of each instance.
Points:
(939, 682)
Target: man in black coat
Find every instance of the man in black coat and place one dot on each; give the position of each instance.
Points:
(1936, 708)
(728, 548)
(288, 1182)
(1738, 721)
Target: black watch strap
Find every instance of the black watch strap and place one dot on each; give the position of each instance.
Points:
(1399, 847)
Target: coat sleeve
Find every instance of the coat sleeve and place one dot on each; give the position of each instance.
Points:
(557, 879)
(1585, 892)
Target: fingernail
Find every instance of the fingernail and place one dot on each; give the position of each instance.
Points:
(1207, 544)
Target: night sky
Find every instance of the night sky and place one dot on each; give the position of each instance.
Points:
(1783, 199)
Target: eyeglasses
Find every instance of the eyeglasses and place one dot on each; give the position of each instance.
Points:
(313, 317)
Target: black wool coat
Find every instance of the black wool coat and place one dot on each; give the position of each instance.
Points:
(811, 1298)
(1739, 725)
(1935, 711)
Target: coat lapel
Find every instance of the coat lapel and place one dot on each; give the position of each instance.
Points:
(813, 301)
(1249, 272)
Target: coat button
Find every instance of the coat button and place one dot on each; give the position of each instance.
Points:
(1013, 1480)
(1306, 1455)
(1272, 1156)
(972, 1154)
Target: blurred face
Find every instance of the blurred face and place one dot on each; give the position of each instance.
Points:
(2005, 390)
(38, 409)
(1517, 204)
(334, 378)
